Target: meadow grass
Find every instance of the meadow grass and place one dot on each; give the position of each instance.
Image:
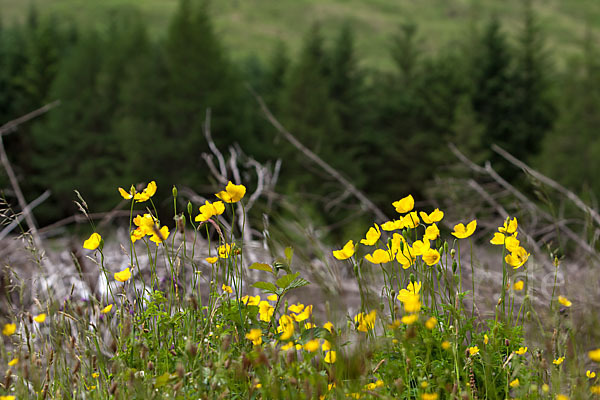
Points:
(252, 27)
(215, 326)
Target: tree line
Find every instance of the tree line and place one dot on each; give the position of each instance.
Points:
(132, 108)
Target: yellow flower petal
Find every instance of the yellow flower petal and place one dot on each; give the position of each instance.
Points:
(232, 193)
(107, 309)
(123, 276)
(372, 236)
(564, 301)
(40, 318)
(9, 329)
(346, 252)
(462, 232)
(93, 242)
(404, 205)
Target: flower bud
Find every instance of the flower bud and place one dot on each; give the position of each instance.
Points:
(189, 208)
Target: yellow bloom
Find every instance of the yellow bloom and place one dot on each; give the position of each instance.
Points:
(519, 285)
(146, 193)
(232, 193)
(330, 357)
(411, 289)
(211, 260)
(93, 242)
(326, 346)
(404, 205)
(287, 346)
(95, 375)
(430, 323)
(366, 322)
(329, 326)
(435, 216)
(107, 309)
(296, 308)
(410, 319)
(561, 397)
(7, 397)
(429, 396)
(286, 327)
(498, 239)
(346, 252)
(511, 243)
(590, 374)
(514, 383)
(227, 289)
(517, 258)
(272, 297)
(127, 195)
(412, 303)
(432, 232)
(545, 388)
(509, 227)
(312, 345)
(255, 335)
(374, 385)
(14, 362)
(123, 276)
(40, 318)
(410, 220)
(224, 250)
(594, 355)
(309, 325)
(564, 301)
(558, 361)
(420, 247)
(372, 236)
(486, 339)
(521, 351)
(304, 315)
(160, 235)
(473, 350)
(445, 345)
(209, 210)
(406, 257)
(379, 256)
(9, 329)
(251, 300)
(431, 257)
(392, 225)
(462, 232)
(265, 311)
(595, 389)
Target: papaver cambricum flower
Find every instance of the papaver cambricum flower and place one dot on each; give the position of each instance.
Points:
(123, 276)
(232, 193)
(564, 301)
(139, 197)
(92, 242)
(286, 327)
(304, 315)
(255, 335)
(431, 257)
(432, 232)
(346, 252)
(517, 258)
(594, 355)
(366, 322)
(330, 357)
(159, 235)
(209, 210)
(224, 250)
(509, 227)
(404, 205)
(9, 329)
(411, 289)
(462, 232)
(372, 236)
(379, 256)
(40, 318)
(265, 311)
(435, 216)
(473, 350)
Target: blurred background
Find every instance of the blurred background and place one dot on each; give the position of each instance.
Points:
(376, 88)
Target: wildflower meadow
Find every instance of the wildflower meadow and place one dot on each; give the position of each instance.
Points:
(187, 326)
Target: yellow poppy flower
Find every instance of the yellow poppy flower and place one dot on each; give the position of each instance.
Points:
(346, 252)
(286, 327)
(514, 383)
(590, 374)
(304, 315)
(486, 339)
(564, 301)
(411, 289)
(226, 289)
(412, 303)
(410, 319)
(517, 258)
(558, 361)
(9, 329)
(429, 396)
(379, 256)
(255, 335)
(160, 235)
(232, 193)
(420, 247)
(330, 357)
(431, 323)
(410, 220)
(473, 350)
(372, 236)
(431, 257)
(329, 326)
(462, 232)
(521, 351)
(312, 345)
(107, 309)
(209, 210)
(224, 250)
(93, 242)
(15, 361)
(435, 216)
(498, 239)
(509, 227)
(123, 276)
(251, 300)
(296, 308)
(445, 345)
(366, 322)
(511, 243)
(392, 225)
(594, 355)
(211, 260)
(404, 205)
(40, 318)
(265, 311)
(432, 232)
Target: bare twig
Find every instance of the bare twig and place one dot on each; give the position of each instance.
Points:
(319, 161)
(19, 217)
(222, 175)
(11, 126)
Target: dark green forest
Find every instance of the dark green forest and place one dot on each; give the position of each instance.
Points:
(133, 108)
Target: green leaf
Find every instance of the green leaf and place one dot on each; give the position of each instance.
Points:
(266, 286)
(162, 380)
(285, 280)
(261, 267)
(289, 253)
(298, 282)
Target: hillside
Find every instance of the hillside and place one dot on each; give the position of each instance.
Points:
(254, 26)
